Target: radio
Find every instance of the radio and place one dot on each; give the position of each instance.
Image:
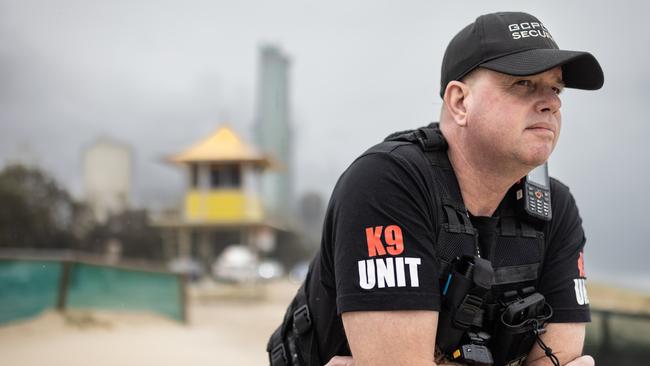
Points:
(536, 193)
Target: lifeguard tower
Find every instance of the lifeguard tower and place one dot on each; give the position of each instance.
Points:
(222, 204)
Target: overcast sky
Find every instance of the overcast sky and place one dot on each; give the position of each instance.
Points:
(161, 74)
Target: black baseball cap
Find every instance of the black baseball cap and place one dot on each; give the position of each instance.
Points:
(516, 44)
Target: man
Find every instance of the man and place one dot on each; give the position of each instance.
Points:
(374, 289)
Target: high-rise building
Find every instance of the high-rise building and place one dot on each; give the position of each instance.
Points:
(272, 130)
(107, 177)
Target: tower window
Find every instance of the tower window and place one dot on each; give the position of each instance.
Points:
(225, 176)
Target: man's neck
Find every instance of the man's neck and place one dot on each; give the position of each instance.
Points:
(482, 187)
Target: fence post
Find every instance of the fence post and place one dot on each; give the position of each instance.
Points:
(64, 284)
(605, 331)
(182, 287)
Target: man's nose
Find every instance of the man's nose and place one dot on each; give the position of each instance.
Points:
(549, 101)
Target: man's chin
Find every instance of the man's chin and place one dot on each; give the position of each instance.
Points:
(536, 160)
(538, 156)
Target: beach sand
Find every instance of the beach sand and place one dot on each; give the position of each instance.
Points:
(226, 326)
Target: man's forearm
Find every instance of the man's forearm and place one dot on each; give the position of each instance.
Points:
(580, 361)
(566, 341)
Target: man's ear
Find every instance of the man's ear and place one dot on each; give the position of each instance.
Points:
(455, 98)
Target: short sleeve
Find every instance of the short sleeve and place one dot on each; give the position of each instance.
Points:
(382, 237)
(563, 277)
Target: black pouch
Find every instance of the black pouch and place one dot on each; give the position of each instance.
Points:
(512, 344)
(519, 325)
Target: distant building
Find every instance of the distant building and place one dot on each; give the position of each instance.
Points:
(107, 167)
(272, 130)
(222, 204)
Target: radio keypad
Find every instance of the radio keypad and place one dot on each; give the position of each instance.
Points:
(538, 201)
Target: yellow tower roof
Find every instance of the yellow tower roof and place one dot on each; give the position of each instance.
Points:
(222, 146)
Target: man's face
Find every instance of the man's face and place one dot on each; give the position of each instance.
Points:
(514, 119)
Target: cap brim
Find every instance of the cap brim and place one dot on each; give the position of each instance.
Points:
(580, 70)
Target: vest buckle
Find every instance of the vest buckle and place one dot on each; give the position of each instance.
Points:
(301, 320)
(279, 356)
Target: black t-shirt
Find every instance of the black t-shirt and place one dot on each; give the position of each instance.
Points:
(377, 250)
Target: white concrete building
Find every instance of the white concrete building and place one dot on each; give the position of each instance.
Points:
(107, 171)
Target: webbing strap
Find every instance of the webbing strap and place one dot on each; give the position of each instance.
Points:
(469, 312)
(454, 225)
(301, 320)
(434, 146)
(304, 329)
(277, 351)
(469, 229)
(293, 343)
(514, 274)
(508, 226)
(452, 219)
(430, 139)
(527, 231)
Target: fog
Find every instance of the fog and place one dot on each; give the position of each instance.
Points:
(160, 75)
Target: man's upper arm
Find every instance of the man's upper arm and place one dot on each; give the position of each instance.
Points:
(566, 341)
(384, 262)
(382, 238)
(391, 337)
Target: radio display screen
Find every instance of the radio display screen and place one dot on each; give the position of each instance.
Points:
(539, 175)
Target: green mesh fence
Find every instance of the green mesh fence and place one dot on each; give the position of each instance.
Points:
(92, 286)
(28, 287)
(617, 338)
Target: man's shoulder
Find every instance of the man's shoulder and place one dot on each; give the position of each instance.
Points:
(387, 158)
(565, 209)
(558, 185)
(398, 150)
(388, 171)
(560, 192)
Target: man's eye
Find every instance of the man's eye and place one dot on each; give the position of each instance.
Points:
(557, 90)
(526, 83)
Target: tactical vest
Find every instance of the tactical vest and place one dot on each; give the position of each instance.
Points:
(518, 250)
(516, 253)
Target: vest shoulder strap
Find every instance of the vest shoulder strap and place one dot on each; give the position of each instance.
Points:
(428, 137)
(452, 215)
